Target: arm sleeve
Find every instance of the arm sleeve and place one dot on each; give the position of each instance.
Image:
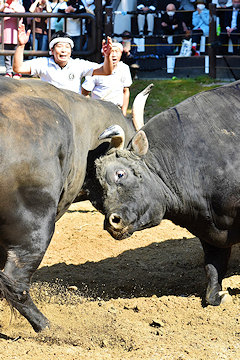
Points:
(195, 18)
(88, 67)
(36, 66)
(205, 17)
(126, 78)
(89, 83)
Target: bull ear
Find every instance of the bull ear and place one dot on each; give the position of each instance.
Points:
(140, 143)
(116, 134)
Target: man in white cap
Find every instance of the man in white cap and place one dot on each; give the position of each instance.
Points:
(115, 87)
(60, 69)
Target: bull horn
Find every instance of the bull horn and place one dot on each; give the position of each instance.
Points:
(116, 133)
(138, 107)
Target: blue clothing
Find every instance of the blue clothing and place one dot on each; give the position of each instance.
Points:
(201, 21)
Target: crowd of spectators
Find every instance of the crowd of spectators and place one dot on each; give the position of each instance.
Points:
(180, 19)
(183, 20)
(189, 19)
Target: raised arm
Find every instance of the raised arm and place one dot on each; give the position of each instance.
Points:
(107, 67)
(20, 66)
(126, 95)
(33, 6)
(42, 2)
(48, 7)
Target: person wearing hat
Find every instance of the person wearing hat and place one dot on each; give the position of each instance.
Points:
(115, 87)
(200, 22)
(60, 69)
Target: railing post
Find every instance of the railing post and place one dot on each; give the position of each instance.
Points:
(108, 25)
(2, 34)
(212, 40)
(99, 20)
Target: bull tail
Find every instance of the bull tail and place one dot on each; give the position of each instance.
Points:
(138, 107)
(7, 289)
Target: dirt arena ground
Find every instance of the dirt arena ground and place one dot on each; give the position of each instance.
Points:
(139, 298)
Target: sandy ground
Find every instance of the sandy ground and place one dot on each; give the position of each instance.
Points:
(139, 298)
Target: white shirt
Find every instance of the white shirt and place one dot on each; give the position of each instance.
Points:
(234, 18)
(217, 2)
(68, 78)
(54, 7)
(73, 25)
(109, 88)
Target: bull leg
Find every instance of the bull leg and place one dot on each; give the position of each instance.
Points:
(216, 261)
(23, 258)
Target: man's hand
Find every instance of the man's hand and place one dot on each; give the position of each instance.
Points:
(23, 36)
(229, 30)
(107, 47)
(70, 9)
(126, 51)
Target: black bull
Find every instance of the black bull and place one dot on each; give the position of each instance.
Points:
(47, 136)
(183, 165)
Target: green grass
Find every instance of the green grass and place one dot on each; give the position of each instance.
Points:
(167, 93)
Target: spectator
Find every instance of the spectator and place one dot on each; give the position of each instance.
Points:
(129, 53)
(27, 22)
(173, 24)
(60, 69)
(10, 33)
(145, 11)
(90, 5)
(188, 6)
(115, 87)
(73, 25)
(231, 27)
(221, 5)
(41, 38)
(55, 24)
(90, 8)
(200, 22)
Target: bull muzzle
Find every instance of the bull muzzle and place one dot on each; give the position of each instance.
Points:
(116, 222)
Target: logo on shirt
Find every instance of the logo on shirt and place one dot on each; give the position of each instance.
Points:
(71, 76)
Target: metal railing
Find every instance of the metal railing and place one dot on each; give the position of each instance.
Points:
(100, 29)
(92, 46)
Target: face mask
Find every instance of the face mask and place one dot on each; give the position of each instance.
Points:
(170, 13)
(201, 6)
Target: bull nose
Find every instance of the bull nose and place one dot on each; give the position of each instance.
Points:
(115, 221)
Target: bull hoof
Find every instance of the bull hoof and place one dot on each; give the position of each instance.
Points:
(225, 297)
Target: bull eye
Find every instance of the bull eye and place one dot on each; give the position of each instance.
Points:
(119, 175)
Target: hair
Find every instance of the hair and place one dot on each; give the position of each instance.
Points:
(126, 34)
(61, 34)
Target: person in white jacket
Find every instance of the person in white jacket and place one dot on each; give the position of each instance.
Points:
(114, 87)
